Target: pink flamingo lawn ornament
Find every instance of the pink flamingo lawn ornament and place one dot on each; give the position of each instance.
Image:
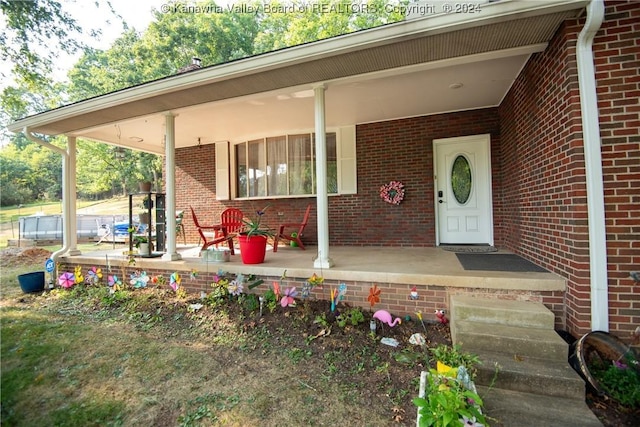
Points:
(385, 317)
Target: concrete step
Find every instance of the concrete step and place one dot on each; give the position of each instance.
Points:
(476, 337)
(530, 375)
(506, 408)
(505, 312)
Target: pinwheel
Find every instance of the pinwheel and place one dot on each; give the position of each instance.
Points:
(114, 283)
(315, 280)
(94, 275)
(336, 296)
(139, 280)
(67, 280)
(288, 298)
(342, 291)
(306, 290)
(374, 295)
(235, 288)
(78, 275)
(175, 280)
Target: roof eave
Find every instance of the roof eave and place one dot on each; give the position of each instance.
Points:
(491, 13)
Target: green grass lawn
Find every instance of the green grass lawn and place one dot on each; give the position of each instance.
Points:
(84, 357)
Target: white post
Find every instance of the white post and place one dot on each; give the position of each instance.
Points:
(72, 196)
(322, 203)
(170, 179)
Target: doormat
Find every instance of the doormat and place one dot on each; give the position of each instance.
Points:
(498, 262)
(475, 249)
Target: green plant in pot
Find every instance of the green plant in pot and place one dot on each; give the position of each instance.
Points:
(448, 396)
(143, 245)
(253, 238)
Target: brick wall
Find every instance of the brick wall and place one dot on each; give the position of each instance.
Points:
(394, 150)
(400, 150)
(542, 155)
(617, 58)
(394, 297)
(544, 196)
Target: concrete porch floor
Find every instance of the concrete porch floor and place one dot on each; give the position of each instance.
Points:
(409, 266)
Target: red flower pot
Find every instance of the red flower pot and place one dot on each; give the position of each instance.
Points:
(252, 248)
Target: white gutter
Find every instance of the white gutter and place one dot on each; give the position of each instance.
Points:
(593, 167)
(66, 231)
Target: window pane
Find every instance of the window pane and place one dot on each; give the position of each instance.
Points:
(300, 162)
(277, 166)
(461, 179)
(241, 159)
(257, 169)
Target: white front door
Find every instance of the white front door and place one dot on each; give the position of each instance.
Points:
(463, 190)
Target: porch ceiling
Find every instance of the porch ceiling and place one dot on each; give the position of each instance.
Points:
(400, 70)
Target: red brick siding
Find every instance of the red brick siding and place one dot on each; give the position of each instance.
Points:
(394, 297)
(543, 171)
(617, 57)
(543, 157)
(400, 150)
(395, 150)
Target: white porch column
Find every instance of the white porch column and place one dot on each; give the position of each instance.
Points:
(71, 200)
(170, 179)
(322, 200)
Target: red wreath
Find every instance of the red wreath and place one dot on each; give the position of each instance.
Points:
(392, 192)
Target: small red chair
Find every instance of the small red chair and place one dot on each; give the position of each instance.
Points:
(231, 218)
(282, 234)
(205, 233)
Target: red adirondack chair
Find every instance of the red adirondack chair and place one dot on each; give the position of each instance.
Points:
(285, 231)
(209, 238)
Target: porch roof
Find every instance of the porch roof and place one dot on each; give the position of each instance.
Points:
(399, 70)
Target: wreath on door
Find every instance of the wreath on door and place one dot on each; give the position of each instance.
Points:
(392, 192)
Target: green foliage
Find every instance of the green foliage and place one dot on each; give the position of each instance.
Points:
(30, 24)
(321, 319)
(620, 381)
(454, 356)
(411, 357)
(351, 316)
(270, 300)
(250, 302)
(31, 172)
(446, 401)
(206, 406)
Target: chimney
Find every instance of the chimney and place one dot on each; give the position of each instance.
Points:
(195, 64)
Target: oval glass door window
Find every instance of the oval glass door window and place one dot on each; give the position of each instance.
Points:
(461, 179)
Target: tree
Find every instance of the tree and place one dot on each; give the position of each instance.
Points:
(30, 24)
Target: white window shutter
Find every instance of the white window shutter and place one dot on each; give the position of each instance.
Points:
(222, 170)
(347, 167)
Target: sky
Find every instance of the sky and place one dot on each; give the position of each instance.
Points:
(136, 13)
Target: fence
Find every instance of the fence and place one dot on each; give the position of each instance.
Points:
(49, 227)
